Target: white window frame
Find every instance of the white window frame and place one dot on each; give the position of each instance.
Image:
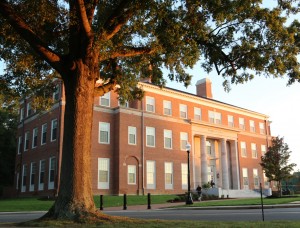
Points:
(263, 149)
(255, 178)
(131, 172)
(243, 149)
(245, 178)
(151, 174)
(184, 178)
(252, 125)
(167, 108)
(183, 140)
(125, 105)
(21, 114)
(103, 165)
(105, 100)
(34, 142)
(52, 171)
(168, 137)
(32, 176)
(150, 104)
(42, 168)
(262, 129)
(104, 127)
(215, 117)
(150, 131)
(54, 127)
(266, 180)
(26, 141)
(24, 178)
(183, 111)
(242, 123)
(131, 132)
(197, 113)
(28, 109)
(44, 131)
(19, 144)
(254, 150)
(230, 119)
(55, 95)
(169, 171)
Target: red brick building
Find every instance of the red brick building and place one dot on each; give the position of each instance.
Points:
(140, 147)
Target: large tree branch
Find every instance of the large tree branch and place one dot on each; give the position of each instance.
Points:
(54, 59)
(84, 20)
(131, 51)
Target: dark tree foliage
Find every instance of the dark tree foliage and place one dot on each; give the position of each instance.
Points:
(275, 162)
(8, 127)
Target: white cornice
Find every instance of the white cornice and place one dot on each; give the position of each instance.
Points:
(200, 100)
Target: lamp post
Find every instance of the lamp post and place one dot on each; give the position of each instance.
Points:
(189, 198)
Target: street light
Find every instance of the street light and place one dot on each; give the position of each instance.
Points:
(189, 198)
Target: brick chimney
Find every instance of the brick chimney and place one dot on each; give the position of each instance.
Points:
(203, 88)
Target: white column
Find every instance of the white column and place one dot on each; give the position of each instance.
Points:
(235, 165)
(204, 177)
(225, 181)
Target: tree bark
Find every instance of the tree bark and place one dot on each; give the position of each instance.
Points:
(75, 198)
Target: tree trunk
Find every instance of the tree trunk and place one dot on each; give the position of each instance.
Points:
(75, 198)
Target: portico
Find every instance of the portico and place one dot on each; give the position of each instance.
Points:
(215, 156)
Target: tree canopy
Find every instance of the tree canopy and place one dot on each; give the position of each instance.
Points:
(96, 46)
(275, 162)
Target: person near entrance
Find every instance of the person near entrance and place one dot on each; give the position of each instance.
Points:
(199, 191)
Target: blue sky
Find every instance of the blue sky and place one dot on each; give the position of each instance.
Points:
(270, 96)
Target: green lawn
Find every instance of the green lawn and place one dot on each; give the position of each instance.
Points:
(34, 204)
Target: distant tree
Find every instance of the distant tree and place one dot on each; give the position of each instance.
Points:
(98, 46)
(275, 162)
(8, 127)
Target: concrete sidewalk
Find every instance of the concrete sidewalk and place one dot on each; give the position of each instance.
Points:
(172, 205)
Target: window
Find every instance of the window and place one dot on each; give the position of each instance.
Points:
(44, 134)
(168, 175)
(183, 111)
(245, 178)
(42, 175)
(29, 110)
(262, 128)
(125, 105)
(254, 151)
(55, 95)
(167, 108)
(131, 174)
(151, 180)
(26, 143)
(263, 150)
(183, 140)
(54, 130)
(197, 113)
(52, 168)
(266, 181)
(184, 174)
(243, 149)
(230, 121)
(24, 178)
(241, 123)
(131, 135)
(150, 136)
(215, 117)
(103, 173)
(105, 100)
(252, 125)
(104, 133)
(150, 104)
(32, 176)
(19, 144)
(255, 178)
(21, 114)
(34, 137)
(168, 139)
(208, 148)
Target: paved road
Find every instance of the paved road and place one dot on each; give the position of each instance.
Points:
(182, 214)
(214, 215)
